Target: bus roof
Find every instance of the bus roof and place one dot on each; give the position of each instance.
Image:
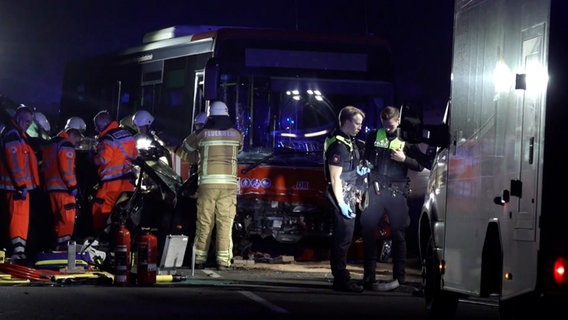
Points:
(183, 35)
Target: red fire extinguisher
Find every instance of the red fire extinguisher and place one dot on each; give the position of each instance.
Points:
(122, 257)
(147, 257)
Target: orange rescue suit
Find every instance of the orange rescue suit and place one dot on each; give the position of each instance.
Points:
(59, 180)
(116, 151)
(18, 171)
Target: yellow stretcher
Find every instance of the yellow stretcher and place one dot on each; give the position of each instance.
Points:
(6, 280)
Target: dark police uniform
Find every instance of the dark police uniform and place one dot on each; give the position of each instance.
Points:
(388, 188)
(341, 150)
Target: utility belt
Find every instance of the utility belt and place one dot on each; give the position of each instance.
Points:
(398, 186)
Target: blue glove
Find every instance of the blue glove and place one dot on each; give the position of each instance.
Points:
(346, 210)
(363, 170)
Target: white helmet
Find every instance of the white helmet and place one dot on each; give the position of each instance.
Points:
(201, 118)
(75, 123)
(218, 108)
(41, 121)
(142, 118)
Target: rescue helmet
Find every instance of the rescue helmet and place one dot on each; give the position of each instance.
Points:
(76, 123)
(218, 108)
(142, 118)
(41, 121)
(200, 119)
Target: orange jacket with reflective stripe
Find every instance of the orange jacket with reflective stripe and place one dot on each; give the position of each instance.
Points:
(116, 151)
(18, 165)
(58, 166)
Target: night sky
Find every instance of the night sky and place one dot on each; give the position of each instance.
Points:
(38, 37)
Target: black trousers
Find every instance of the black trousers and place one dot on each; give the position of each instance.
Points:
(395, 205)
(342, 238)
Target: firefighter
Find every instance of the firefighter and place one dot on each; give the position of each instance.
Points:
(60, 181)
(18, 175)
(344, 189)
(116, 151)
(218, 144)
(390, 159)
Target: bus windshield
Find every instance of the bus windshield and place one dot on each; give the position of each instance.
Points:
(285, 118)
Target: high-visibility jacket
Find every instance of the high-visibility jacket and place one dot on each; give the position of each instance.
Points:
(58, 166)
(18, 165)
(348, 172)
(116, 151)
(218, 150)
(381, 151)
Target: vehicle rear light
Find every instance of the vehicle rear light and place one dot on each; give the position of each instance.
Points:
(561, 270)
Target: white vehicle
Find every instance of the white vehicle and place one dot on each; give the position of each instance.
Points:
(493, 225)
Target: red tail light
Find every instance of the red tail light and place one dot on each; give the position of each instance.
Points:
(561, 271)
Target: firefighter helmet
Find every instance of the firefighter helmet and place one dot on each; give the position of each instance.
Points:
(142, 118)
(76, 123)
(41, 121)
(218, 108)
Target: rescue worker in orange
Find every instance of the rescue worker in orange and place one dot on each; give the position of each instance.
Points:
(18, 175)
(60, 182)
(218, 143)
(116, 151)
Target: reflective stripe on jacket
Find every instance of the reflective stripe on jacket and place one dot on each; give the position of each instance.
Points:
(348, 172)
(383, 165)
(218, 151)
(382, 141)
(116, 151)
(18, 165)
(58, 167)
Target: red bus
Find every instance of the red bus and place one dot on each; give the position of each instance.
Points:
(284, 90)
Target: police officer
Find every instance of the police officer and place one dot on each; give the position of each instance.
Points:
(18, 176)
(218, 144)
(344, 187)
(390, 159)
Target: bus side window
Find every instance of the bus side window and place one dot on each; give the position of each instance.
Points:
(211, 82)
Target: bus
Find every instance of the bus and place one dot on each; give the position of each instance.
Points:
(284, 90)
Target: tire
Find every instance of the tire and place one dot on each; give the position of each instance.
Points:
(439, 304)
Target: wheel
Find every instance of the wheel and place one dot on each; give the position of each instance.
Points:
(439, 304)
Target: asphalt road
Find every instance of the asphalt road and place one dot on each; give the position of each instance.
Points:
(296, 290)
